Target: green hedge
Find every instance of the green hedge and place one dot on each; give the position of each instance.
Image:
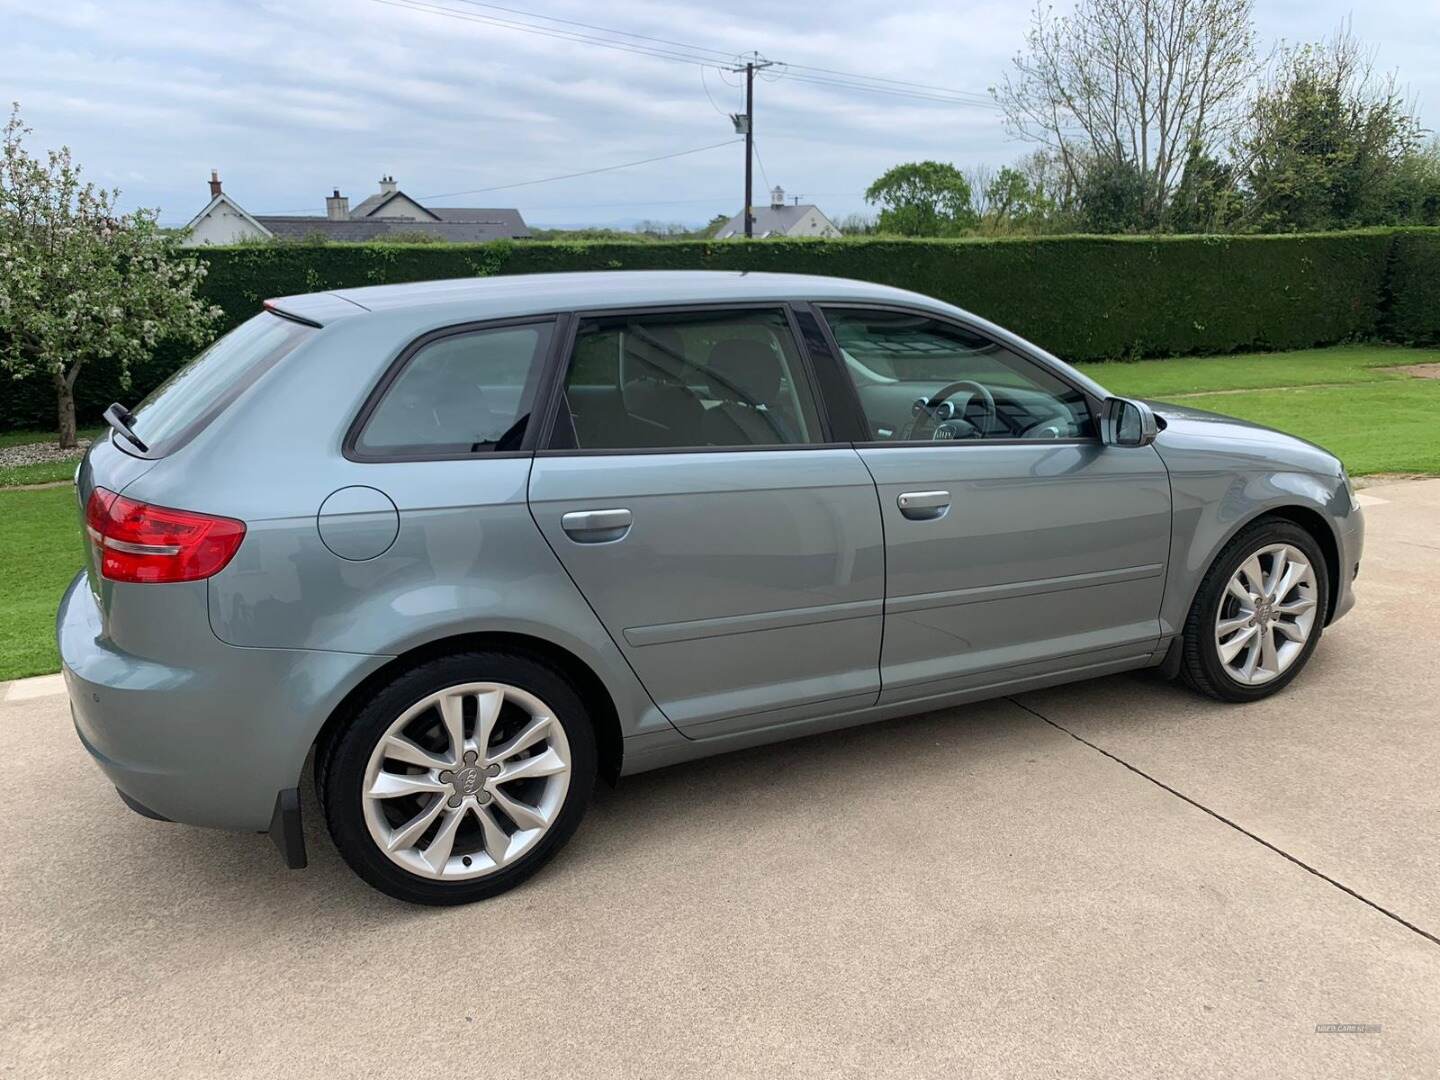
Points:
(1082, 297)
(1412, 304)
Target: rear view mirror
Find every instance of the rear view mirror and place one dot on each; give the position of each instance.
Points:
(1128, 423)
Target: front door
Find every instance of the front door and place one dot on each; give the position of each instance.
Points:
(1017, 545)
(734, 555)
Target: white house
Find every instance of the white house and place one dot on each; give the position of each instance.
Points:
(387, 212)
(780, 219)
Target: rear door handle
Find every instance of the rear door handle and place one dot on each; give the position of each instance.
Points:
(923, 505)
(597, 526)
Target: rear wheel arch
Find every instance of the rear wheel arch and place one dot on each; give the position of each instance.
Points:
(598, 700)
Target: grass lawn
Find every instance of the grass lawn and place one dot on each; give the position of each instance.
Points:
(1341, 398)
(40, 550)
(1253, 371)
(1376, 421)
(44, 472)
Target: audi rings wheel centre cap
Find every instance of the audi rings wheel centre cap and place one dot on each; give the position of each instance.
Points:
(468, 780)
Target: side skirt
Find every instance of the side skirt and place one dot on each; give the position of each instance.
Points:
(657, 750)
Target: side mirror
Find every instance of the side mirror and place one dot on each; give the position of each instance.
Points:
(1127, 423)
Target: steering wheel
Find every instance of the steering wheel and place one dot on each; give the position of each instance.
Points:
(940, 417)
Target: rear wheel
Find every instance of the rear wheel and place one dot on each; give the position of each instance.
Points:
(461, 778)
(1258, 614)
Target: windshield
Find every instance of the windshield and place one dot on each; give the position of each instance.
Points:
(184, 403)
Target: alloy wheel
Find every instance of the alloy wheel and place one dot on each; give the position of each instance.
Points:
(1266, 614)
(466, 781)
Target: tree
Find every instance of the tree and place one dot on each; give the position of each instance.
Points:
(856, 224)
(1009, 200)
(1325, 139)
(82, 283)
(1206, 200)
(1134, 83)
(1111, 198)
(924, 198)
(1413, 197)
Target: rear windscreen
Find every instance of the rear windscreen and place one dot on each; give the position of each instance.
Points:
(199, 391)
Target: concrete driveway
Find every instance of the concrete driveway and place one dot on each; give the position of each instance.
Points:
(1114, 879)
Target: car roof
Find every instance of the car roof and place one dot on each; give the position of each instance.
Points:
(425, 305)
(525, 294)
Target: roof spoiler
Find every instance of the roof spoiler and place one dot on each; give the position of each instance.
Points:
(314, 309)
(273, 306)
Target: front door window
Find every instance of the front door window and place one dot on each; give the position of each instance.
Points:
(922, 379)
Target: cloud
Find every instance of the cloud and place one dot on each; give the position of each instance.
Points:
(289, 99)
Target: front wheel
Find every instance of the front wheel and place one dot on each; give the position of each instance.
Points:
(461, 778)
(1258, 614)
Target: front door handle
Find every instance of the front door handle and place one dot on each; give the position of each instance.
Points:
(596, 526)
(924, 505)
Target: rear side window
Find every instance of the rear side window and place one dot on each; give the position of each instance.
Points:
(686, 380)
(186, 402)
(466, 393)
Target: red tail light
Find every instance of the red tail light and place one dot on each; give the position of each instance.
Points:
(139, 542)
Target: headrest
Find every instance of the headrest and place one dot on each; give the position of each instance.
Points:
(747, 371)
(655, 353)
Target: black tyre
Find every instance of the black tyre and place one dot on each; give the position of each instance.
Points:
(1258, 614)
(460, 778)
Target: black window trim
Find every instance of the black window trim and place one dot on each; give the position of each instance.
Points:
(545, 444)
(559, 322)
(1093, 404)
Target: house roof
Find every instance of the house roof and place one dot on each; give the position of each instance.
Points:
(477, 215)
(371, 203)
(459, 224)
(769, 219)
(502, 225)
(218, 200)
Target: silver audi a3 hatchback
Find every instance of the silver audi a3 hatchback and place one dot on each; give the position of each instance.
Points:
(468, 545)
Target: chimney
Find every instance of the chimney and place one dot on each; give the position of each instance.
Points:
(214, 182)
(777, 197)
(337, 207)
(387, 185)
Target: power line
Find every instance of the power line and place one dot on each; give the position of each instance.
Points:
(761, 162)
(980, 98)
(583, 172)
(562, 35)
(563, 176)
(603, 29)
(914, 95)
(687, 53)
(704, 86)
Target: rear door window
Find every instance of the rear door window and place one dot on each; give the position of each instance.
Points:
(181, 406)
(686, 380)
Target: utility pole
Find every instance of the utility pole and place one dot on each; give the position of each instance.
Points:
(749, 145)
(746, 124)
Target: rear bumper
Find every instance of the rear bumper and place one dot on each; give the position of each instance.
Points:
(210, 740)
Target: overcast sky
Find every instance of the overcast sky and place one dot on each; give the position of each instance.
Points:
(289, 100)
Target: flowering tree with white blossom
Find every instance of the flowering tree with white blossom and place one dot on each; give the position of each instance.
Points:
(82, 284)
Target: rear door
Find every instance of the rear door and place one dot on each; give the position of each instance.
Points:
(1017, 544)
(732, 551)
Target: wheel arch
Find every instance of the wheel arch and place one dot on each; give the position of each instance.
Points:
(604, 715)
(1314, 523)
(1306, 517)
